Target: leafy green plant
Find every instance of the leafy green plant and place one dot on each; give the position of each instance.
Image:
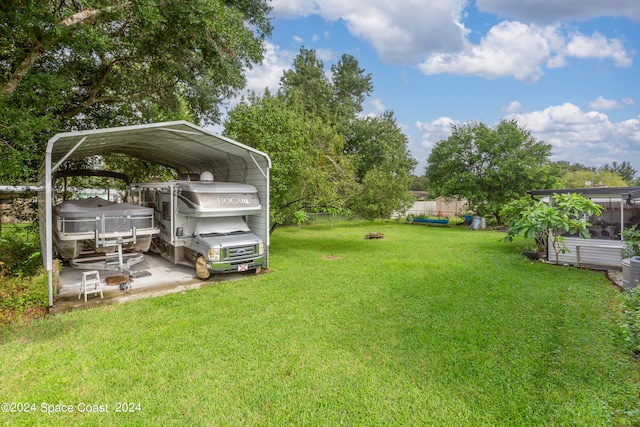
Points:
(546, 223)
(300, 217)
(23, 297)
(631, 320)
(631, 239)
(23, 284)
(19, 253)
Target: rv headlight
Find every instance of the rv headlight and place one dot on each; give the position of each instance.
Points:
(260, 248)
(214, 254)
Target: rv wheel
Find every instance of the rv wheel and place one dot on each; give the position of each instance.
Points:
(202, 271)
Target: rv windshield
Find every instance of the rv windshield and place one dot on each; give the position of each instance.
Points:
(223, 225)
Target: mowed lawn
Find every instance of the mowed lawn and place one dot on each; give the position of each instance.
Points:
(429, 326)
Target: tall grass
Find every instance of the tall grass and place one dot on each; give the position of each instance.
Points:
(23, 282)
(429, 326)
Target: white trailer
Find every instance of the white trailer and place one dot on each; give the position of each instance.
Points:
(204, 223)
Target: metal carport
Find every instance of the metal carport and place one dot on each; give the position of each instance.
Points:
(180, 145)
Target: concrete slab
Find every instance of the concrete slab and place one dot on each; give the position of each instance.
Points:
(153, 276)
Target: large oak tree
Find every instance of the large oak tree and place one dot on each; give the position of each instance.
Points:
(68, 65)
(489, 166)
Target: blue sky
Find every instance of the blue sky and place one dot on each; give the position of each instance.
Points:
(567, 70)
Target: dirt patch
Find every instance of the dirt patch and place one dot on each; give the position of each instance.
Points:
(331, 257)
(376, 236)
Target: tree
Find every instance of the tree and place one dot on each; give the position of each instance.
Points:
(489, 166)
(624, 169)
(546, 223)
(80, 65)
(382, 164)
(379, 142)
(311, 130)
(307, 81)
(309, 173)
(351, 87)
(587, 178)
(381, 194)
(336, 101)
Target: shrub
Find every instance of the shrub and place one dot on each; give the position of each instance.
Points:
(22, 297)
(23, 282)
(631, 238)
(19, 253)
(631, 320)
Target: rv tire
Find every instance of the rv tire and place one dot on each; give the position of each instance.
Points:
(202, 271)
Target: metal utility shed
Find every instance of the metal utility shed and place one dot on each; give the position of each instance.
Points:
(180, 145)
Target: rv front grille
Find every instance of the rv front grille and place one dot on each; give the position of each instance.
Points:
(239, 252)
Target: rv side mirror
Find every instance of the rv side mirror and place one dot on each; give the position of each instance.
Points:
(179, 232)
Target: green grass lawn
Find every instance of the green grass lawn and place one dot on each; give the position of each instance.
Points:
(430, 326)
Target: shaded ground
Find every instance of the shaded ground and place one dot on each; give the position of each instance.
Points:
(154, 276)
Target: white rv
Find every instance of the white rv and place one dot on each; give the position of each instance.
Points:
(203, 223)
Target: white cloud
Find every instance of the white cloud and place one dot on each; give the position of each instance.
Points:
(597, 46)
(547, 11)
(267, 75)
(590, 138)
(605, 104)
(430, 134)
(292, 8)
(435, 131)
(377, 106)
(518, 50)
(513, 107)
(432, 34)
(401, 32)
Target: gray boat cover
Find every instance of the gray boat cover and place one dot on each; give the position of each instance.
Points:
(81, 216)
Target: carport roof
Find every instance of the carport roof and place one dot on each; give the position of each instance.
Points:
(179, 145)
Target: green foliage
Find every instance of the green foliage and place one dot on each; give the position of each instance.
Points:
(489, 166)
(624, 170)
(631, 238)
(418, 183)
(300, 217)
(631, 320)
(82, 65)
(580, 178)
(308, 172)
(23, 297)
(306, 81)
(545, 223)
(19, 252)
(316, 168)
(23, 283)
(351, 86)
(382, 194)
(378, 142)
(136, 169)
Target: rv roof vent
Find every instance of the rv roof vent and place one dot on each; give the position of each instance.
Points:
(206, 176)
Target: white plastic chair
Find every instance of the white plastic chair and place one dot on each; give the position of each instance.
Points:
(90, 284)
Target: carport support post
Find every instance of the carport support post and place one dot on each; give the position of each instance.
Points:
(49, 223)
(48, 171)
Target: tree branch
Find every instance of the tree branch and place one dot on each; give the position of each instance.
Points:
(94, 99)
(38, 50)
(21, 70)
